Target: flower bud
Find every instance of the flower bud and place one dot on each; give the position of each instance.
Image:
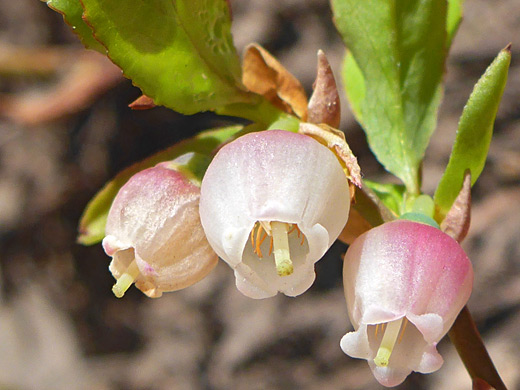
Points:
(271, 205)
(405, 283)
(154, 235)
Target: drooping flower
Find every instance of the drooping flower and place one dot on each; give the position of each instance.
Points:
(405, 283)
(271, 205)
(154, 235)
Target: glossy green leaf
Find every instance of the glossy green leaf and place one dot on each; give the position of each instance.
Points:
(179, 52)
(454, 19)
(93, 220)
(71, 11)
(474, 133)
(399, 48)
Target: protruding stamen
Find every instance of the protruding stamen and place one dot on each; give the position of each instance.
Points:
(125, 280)
(388, 343)
(282, 257)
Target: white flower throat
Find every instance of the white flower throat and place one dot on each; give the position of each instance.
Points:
(279, 243)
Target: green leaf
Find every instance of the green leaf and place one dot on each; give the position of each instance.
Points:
(71, 11)
(454, 19)
(474, 133)
(392, 195)
(179, 52)
(399, 48)
(353, 78)
(93, 220)
(371, 207)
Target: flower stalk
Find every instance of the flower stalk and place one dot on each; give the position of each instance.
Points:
(469, 344)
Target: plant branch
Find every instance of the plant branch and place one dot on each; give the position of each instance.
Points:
(471, 349)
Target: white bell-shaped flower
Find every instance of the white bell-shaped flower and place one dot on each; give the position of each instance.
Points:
(154, 235)
(405, 283)
(271, 205)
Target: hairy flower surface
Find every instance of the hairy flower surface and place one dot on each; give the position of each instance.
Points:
(271, 204)
(405, 283)
(154, 235)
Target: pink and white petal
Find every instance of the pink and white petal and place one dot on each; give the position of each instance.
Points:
(430, 325)
(259, 178)
(111, 244)
(146, 202)
(431, 361)
(389, 376)
(356, 345)
(251, 284)
(121, 259)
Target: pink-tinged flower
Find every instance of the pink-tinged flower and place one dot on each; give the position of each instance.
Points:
(405, 283)
(271, 205)
(154, 235)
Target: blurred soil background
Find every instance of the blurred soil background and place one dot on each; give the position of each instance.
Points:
(65, 129)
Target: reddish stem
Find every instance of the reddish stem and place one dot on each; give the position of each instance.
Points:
(466, 338)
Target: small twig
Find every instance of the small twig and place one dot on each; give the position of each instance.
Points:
(464, 333)
(466, 338)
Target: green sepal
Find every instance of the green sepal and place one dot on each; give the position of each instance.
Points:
(263, 113)
(421, 218)
(474, 133)
(71, 10)
(422, 204)
(93, 221)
